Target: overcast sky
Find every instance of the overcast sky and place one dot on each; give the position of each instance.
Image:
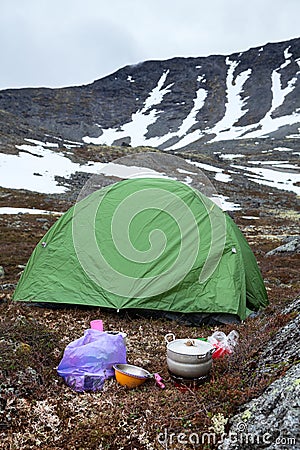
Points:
(59, 43)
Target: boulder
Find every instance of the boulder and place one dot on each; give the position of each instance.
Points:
(290, 245)
(284, 348)
(272, 420)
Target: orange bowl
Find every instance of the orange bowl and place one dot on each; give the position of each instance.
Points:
(130, 376)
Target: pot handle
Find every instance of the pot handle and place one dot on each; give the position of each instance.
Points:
(158, 381)
(167, 336)
(209, 353)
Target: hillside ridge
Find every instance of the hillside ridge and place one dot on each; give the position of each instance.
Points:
(171, 104)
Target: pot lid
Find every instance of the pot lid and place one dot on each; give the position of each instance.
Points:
(190, 346)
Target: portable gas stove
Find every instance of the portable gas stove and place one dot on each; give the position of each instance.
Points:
(184, 384)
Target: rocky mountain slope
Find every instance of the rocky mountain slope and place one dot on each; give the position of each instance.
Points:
(172, 104)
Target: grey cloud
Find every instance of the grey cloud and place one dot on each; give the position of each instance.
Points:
(67, 42)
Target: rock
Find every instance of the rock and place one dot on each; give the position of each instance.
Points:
(292, 245)
(290, 238)
(271, 421)
(7, 286)
(282, 350)
(2, 273)
(292, 307)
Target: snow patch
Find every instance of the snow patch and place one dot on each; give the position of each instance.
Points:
(225, 129)
(220, 175)
(231, 156)
(35, 169)
(287, 56)
(269, 124)
(285, 181)
(11, 210)
(223, 203)
(283, 149)
(205, 166)
(43, 144)
(137, 128)
(186, 125)
(250, 217)
(276, 163)
(223, 177)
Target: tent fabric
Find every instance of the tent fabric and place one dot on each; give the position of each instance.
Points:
(143, 244)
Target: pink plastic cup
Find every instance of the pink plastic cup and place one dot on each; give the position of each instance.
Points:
(97, 325)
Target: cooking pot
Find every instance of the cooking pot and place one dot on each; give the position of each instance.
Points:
(188, 358)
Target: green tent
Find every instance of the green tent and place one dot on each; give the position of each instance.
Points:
(151, 244)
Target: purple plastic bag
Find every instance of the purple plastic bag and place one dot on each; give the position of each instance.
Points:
(88, 361)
